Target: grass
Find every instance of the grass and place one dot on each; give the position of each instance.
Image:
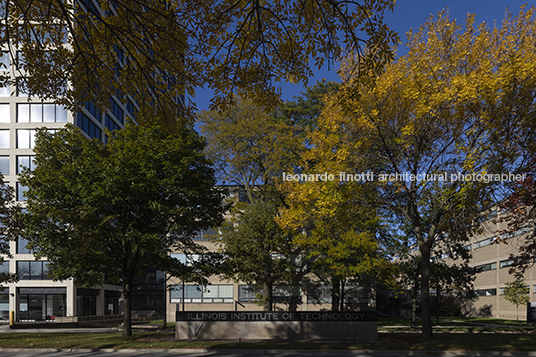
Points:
(449, 321)
(476, 341)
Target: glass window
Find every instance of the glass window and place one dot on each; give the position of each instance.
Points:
(20, 192)
(36, 113)
(486, 292)
(4, 91)
(196, 294)
(4, 61)
(484, 242)
(23, 270)
(25, 161)
(4, 139)
(49, 113)
(22, 246)
(25, 138)
(32, 270)
(61, 114)
(4, 267)
(36, 270)
(4, 165)
(194, 291)
(486, 267)
(4, 113)
(506, 263)
(23, 113)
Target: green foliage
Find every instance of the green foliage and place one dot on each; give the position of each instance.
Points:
(258, 251)
(108, 211)
(10, 212)
(249, 147)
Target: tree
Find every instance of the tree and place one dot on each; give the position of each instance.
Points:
(253, 158)
(520, 217)
(335, 226)
(517, 292)
(427, 126)
(257, 250)
(249, 147)
(10, 213)
(155, 51)
(105, 212)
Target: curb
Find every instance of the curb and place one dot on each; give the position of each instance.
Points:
(275, 352)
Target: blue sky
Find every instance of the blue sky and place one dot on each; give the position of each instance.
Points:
(410, 14)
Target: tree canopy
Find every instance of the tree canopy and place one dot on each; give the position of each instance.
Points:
(153, 52)
(105, 212)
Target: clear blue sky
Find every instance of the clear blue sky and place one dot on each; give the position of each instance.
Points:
(410, 14)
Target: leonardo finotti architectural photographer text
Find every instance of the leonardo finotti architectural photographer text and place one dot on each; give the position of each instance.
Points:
(405, 177)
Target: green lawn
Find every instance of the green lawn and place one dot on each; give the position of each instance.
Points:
(386, 341)
(450, 321)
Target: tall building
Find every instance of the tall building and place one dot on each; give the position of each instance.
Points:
(35, 297)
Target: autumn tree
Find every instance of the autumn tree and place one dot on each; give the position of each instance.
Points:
(426, 128)
(517, 292)
(338, 233)
(109, 211)
(153, 52)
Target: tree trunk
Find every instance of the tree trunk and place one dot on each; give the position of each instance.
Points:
(335, 293)
(127, 320)
(425, 291)
(342, 296)
(437, 304)
(414, 307)
(267, 296)
(294, 298)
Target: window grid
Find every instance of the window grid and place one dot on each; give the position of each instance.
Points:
(32, 270)
(219, 293)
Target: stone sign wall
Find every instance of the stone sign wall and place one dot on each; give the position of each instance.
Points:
(216, 325)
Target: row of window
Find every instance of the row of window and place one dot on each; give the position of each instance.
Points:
(493, 291)
(223, 293)
(493, 266)
(23, 161)
(28, 269)
(25, 138)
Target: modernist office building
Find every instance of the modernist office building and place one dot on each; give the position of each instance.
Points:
(35, 297)
(491, 257)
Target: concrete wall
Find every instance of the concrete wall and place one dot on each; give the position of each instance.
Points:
(284, 330)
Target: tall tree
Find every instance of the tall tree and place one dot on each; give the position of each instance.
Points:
(426, 127)
(335, 226)
(253, 156)
(258, 250)
(108, 211)
(155, 51)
